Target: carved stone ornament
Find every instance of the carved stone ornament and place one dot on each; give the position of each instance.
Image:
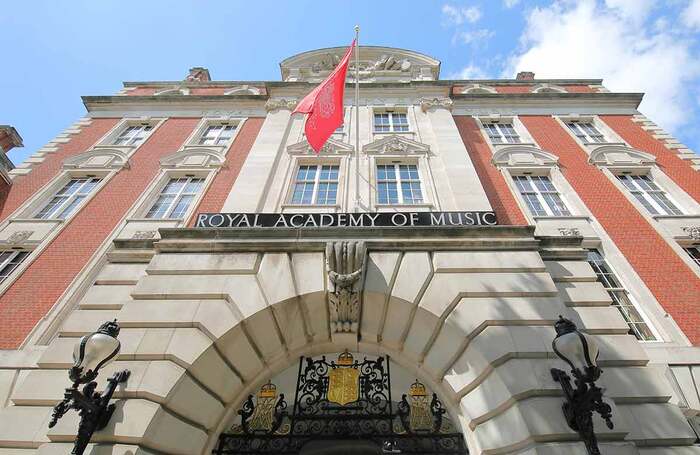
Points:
(345, 261)
(331, 147)
(570, 232)
(429, 103)
(280, 103)
(396, 145)
(144, 235)
(692, 231)
(391, 63)
(19, 237)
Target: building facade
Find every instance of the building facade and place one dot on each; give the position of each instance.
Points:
(253, 279)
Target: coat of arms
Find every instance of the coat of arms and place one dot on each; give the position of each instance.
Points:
(344, 381)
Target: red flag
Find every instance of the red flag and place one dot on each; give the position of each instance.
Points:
(325, 105)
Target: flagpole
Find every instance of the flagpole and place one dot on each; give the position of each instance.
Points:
(357, 118)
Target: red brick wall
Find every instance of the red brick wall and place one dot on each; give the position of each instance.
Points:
(497, 190)
(25, 186)
(30, 297)
(674, 285)
(677, 169)
(219, 189)
(513, 88)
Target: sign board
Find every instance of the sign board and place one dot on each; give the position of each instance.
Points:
(350, 220)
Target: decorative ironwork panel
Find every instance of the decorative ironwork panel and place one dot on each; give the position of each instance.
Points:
(344, 399)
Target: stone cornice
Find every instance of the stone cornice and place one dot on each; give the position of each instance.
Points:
(314, 239)
(441, 82)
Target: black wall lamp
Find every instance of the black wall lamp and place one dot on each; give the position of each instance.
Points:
(580, 351)
(91, 353)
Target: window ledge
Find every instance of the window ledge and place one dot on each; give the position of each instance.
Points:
(141, 219)
(392, 132)
(404, 206)
(562, 217)
(675, 217)
(37, 220)
(315, 206)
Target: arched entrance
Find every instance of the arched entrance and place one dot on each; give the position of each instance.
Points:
(342, 404)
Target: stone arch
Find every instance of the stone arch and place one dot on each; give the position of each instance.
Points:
(516, 155)
(548, 88)
(620, 155)
(474, 323)
(416, 305)
(478, 89)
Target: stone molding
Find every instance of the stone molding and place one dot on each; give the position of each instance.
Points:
(434, 103)
(619, 155)
(692, 231)
(523, 155)
(670, 142)
(280, 103)
(100, 158)
(206, 157)
(396, 145)
(331, 147)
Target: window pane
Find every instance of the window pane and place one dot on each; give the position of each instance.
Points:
(411, 193)
(174, 186)
(665, 203)
(68, 209)
(619, 296)
(51, 207)
(181, 206)
(556, 205)
(10, 260)
(694, 253)
(193, 186)
(387, 193)
(327, 193)
(161, 206)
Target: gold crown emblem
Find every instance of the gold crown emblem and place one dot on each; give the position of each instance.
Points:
(345, 359)
(417, 390)
(268, 390)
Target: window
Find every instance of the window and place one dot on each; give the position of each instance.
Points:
(176, 197)
(217, 134)
(390, 122)
(133, 135)
(586, 132)
(540, 195)
(620, 297)
(398, 184)
(502, 133)
(316, 184)
(694, 253)
(9, 260)
(648, 194)
(68, 198)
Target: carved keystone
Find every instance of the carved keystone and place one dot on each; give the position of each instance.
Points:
(345, 261)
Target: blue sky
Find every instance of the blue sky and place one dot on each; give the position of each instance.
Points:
(58, 51)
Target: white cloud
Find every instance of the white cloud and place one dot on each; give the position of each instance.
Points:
(584, 39)
(469, 72)
(473, 36)
(457, 15)
(510, 3)
(636, 10)
(691, 14)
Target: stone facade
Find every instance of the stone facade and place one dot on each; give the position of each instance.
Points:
(210, 315)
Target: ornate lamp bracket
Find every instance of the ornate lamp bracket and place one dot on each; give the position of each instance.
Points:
(584, 397)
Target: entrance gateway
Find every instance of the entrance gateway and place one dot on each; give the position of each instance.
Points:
(343, 405)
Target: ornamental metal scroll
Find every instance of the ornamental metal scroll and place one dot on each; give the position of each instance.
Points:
(345, 399)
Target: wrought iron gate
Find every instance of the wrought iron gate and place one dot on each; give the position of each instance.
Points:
(344, 399)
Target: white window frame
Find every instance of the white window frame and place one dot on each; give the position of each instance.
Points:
(623, 288)
(392, 126)
(575, 128)
(195, 200)
(650, 201)
(513, 174)
(503, 138)
(196, 138)
(109, 140)
(397, 163)
(60, 208)
(42, 197)
(694, 257)
(316, 184)
(142, 135)
(6, 262)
